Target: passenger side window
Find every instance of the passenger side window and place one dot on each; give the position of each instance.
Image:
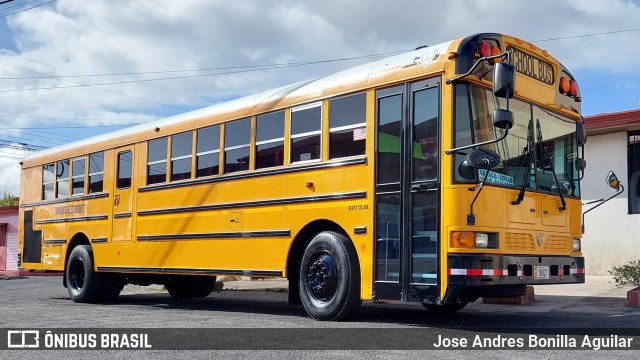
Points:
(157, 161)
(306, 132)
(347, 126)
(270, 140)
(181, 156)
(208, 151)
(48, 181)
(62, 178)
(96, 172)
(77, 176)
(125, 161)
(237, 139)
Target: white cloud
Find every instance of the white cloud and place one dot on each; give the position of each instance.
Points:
(102, 36)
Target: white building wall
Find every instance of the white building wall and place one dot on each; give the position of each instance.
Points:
(612, 236)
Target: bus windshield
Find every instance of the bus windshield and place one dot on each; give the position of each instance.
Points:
(539, 143)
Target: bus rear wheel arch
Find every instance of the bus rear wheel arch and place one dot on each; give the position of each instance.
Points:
(329, 277)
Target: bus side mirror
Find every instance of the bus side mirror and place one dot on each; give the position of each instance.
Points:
(581, 164)
(612, 181)
(502, 119)
(484, 159)
(504, 80)
(581, 134)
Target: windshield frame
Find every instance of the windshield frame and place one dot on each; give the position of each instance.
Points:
(465, 132)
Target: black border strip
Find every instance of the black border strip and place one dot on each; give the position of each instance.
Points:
(98, 240)
(72, 219)
(340, 196)
(357, 161)
(67, 199)
(146, 270)
(122, 215)
(55, 242)
(359, 230)
(213, 236)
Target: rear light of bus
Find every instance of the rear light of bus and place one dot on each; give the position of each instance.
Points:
(471, 239)
(484, 49)
(488, 47)
(576, 245)
(569, 87)
(573, 88)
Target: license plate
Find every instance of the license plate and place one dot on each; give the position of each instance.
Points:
(542, 272)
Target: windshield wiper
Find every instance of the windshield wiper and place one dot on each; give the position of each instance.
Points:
(527, 153)
(553, 171)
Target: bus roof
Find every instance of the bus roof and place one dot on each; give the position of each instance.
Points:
(353, 79)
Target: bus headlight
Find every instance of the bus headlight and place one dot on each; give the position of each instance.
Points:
(482, 240)
(576, 245)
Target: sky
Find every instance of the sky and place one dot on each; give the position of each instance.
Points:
(149, 59)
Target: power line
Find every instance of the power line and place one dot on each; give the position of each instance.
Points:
(23, 4)
(277, 66)
(72, 119)
(105, 90)
(27, 9)
(5, 1)
(71, 127)
(255, 67)
(587, 35)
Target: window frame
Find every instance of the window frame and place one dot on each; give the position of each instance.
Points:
(272, 140)
(60, 178)
(95, 173)
(53, 182)
(181, 157)
(119, 167)
(207, 152)
(348, 127)
(84, 175)
(165, 160)
(319, 132)
(236, 147)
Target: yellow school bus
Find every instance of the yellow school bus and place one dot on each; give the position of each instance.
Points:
(438, 176)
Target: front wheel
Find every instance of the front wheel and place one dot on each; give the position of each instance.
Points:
(330, 277)
(84, 284)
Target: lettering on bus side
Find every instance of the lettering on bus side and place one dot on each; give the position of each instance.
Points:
(532, 66)
(71, 209)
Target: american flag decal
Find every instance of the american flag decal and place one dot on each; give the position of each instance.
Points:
(359, 134)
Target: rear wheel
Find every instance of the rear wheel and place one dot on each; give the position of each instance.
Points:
(84, 284)
(330, 277)
(444, 308)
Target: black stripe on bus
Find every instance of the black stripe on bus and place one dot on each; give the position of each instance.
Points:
(146, 270)
(55, 242)
(67, 199)
(213, 236)
(359, 230)
(122, 215)
(72, 219)
(294, 200)
(358, 161)
(98, 240)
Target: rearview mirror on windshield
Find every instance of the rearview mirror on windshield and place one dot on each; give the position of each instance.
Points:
(502, 119)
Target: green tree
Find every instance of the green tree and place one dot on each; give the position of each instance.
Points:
(8, 200)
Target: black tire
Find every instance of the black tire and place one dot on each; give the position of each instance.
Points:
(330, 277)
(207, 284)
(444, 308)
(84, 284)
(189, 286)
(112, 288)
